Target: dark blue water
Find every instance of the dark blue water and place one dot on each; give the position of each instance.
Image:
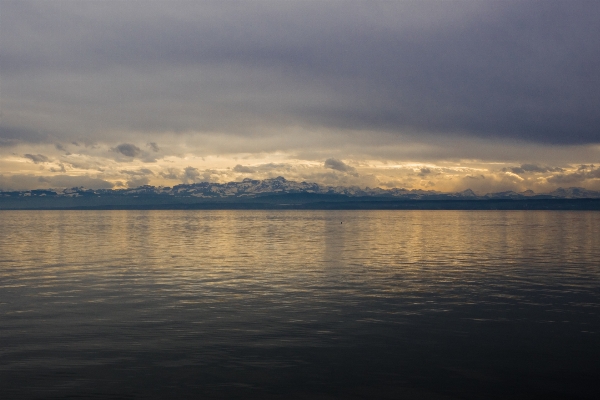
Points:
(245, 304)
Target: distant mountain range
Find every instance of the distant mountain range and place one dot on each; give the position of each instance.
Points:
(279, 193)
(280, 185)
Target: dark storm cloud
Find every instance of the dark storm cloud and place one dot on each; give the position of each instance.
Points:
(128, 149)
(525, 70)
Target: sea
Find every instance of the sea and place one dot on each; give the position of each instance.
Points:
(299, 304)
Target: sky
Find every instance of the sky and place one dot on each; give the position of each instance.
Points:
(436, 95)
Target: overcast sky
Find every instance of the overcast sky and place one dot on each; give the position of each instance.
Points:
(441, 95)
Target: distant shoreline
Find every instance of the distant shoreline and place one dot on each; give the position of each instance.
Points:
(257, 204)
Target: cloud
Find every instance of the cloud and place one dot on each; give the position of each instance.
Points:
(127, 149)
(14, 135)
(85, 163)
(27, 182)
(137, 181)
(517, 70)
(338, 165)
(242, 169)
(153, 146)
(139, 172)
(37, 158)
(567, 179)
(583, 173)
(190, 175)
(60, 147)
(489, 183)
(275, 88)
(423, 172)
(171, 173)
(533, 168)
(137, 177)
(61, 169)
(584, 167)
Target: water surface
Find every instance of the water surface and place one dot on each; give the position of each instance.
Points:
(299, 304)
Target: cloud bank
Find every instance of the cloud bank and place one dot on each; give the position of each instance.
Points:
(103, 85)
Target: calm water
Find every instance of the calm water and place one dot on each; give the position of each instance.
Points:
(286, 304)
